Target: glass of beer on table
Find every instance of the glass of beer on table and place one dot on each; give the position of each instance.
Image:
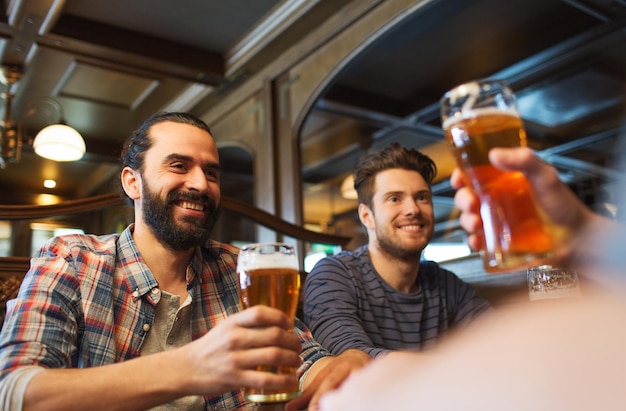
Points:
(549, 282)
(477, 116)
(269, 275)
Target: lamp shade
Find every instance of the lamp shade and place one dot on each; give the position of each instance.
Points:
(59, 142)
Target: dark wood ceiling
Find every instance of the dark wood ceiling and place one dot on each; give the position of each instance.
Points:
(112, 63)
(565, 59)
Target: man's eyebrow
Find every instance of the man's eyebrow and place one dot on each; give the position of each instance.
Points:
(177, 157)
(426, 191)
(402, 192)
(392, 193)
(181, 157)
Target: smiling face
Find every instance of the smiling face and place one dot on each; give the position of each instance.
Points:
(401, 220)
(179, 196)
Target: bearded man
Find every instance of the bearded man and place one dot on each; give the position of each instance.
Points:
(151, 318)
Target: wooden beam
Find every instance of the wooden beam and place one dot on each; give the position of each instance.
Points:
(28, 212)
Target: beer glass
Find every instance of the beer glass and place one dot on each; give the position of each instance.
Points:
(547, 282)
(269, 275)
(476, 117)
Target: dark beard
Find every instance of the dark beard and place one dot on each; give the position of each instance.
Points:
(159, 216)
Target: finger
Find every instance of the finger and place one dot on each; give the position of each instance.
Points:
(549, 191)
(476, 241)
(248, 338)
(263, 316)
(266, 379)
(466, 201)
(517, 158)
(471, 222)
(521, 159)
(267, 356)
(456, 179)
(301, 402)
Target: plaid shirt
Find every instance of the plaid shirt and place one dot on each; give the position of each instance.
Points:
(87, 301)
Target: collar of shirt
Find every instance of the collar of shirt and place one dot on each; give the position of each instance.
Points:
(140, 279)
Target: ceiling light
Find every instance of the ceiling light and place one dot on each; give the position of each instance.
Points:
(49, 183)
(59, 142)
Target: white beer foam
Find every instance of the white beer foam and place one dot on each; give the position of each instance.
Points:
(260, 256)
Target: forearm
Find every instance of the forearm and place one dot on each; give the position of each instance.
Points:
(356, 359)
(339, 333)
(131, 385)
(327, 374)
(350, 337)
(334, 322)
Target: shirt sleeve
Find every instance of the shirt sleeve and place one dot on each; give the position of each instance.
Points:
(465, 305)
(311, 349)
(14, 385)
(331, 311)
(41, 324)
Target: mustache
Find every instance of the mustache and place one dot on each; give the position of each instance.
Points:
(208, 202)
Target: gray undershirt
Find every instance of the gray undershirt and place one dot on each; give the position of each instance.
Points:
(172, 329)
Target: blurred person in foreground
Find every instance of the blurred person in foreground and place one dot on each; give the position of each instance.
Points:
(151, 318)
(556, 355)
(382, 297)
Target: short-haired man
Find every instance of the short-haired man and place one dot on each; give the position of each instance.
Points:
(381, 297)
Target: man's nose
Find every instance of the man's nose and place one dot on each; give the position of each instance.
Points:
(413, 208)
(197, 180)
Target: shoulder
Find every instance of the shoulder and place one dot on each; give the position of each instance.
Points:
(435, 272)
(215, 248)
(65, 259)
(431, 268)
(222, 254)
(346, 270)
(73, 245)
(346, 262)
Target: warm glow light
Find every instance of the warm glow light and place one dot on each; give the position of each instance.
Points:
(49, 183)
(347, 188)
(59, 142)
(47, 199)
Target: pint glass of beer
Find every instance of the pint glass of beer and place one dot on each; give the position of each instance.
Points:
(268, 275)
(476, 117)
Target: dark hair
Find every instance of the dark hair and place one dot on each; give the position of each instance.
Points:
(392, 156)
(136, 145)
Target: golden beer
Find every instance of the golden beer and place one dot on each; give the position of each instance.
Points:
(274, 287)
(267, 277)
(516, 234)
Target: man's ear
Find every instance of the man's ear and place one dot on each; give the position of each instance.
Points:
(131, 182)
(366, 216)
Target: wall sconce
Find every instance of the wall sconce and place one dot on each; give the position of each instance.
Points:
(58, 142)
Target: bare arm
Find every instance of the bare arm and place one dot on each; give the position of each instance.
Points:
(326, 375)
(222, 360)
